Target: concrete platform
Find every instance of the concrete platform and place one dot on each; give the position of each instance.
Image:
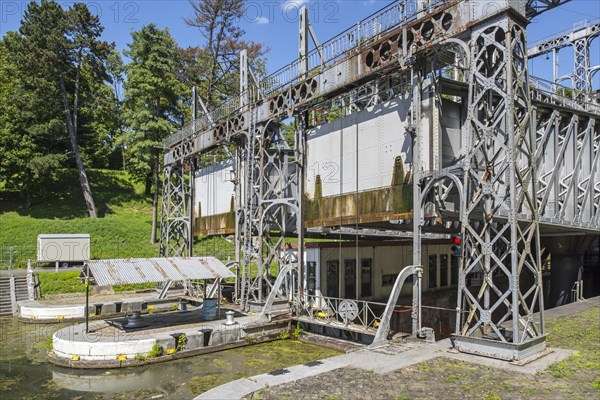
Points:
(109, 344)
(73, 309)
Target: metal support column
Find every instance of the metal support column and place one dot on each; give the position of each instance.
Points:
(417, 216)
(582, 85)
(176, 229)
(500, 226)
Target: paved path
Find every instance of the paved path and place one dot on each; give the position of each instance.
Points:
(400, 354)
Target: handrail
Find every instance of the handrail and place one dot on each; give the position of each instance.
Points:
(557, 35)
(389, 17)
(547, 87)
(326, 310)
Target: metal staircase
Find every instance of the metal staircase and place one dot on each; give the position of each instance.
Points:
(12, 290)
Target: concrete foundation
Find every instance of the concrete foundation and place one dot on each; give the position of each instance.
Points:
(50, 312)
(108, 344)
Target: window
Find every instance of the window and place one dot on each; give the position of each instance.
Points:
(333, 288)
(366, 289)
(453, 270)
(432, 271)
(388, 280)
(350, 279)
(443, 270)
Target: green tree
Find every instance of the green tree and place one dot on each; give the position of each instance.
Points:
(152, 106)
(62, 51)
(29, 125)
(565, 92)
(217, 21)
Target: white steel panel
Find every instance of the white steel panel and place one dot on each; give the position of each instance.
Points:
(214, 189)
(382, 137)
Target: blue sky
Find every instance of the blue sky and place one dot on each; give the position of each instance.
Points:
(275, 23)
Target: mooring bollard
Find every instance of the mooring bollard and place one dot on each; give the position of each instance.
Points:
(135, 320)
(183, 306)
(229, 318)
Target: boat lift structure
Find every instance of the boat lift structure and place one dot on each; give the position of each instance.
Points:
(526, 162)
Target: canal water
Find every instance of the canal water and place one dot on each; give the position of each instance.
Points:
(25, 374)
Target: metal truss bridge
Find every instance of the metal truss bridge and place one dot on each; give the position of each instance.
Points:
(518, 163)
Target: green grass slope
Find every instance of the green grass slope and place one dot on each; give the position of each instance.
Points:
(122, 231)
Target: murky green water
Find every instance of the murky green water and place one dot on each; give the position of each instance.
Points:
(25, 374)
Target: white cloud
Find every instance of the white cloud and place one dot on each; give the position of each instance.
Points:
(289, 4)
(261, 20)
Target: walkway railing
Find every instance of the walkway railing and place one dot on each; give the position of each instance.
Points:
(392, 16)
(562, 95)
(339, 313)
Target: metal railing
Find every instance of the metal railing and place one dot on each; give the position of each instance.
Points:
(336, 48)
(586, 23)
(12, 256)
(540, 86)
(392, 16)
(339, 313)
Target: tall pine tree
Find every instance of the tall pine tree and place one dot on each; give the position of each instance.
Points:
(152, 107)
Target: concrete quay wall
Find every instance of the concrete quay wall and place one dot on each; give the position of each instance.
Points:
(72, 347)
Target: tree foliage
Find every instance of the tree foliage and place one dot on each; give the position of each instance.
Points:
(152, 106)
(60, 92)
(218, 23)
(58, 65)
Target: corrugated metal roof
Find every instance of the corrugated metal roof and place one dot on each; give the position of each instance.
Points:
(140, 270)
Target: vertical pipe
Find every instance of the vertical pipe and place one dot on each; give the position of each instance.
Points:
(303, 42)
(238, 206)
(244, 151)
(194, 109)
(262, 178)
(192, 182)
(87, 300)
(301, 155)
(417, 217)
(244, 94)
(357, 264)
(555, 70)
(30, 283)
(191, 209)
(218, 298)
(303, 30)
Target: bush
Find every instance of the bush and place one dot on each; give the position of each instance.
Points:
(157, 351)
(181, 342)
(297, 331)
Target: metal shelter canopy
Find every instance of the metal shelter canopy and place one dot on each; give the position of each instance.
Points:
(142, 270)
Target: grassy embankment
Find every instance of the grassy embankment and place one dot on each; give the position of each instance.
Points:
(122, 231)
